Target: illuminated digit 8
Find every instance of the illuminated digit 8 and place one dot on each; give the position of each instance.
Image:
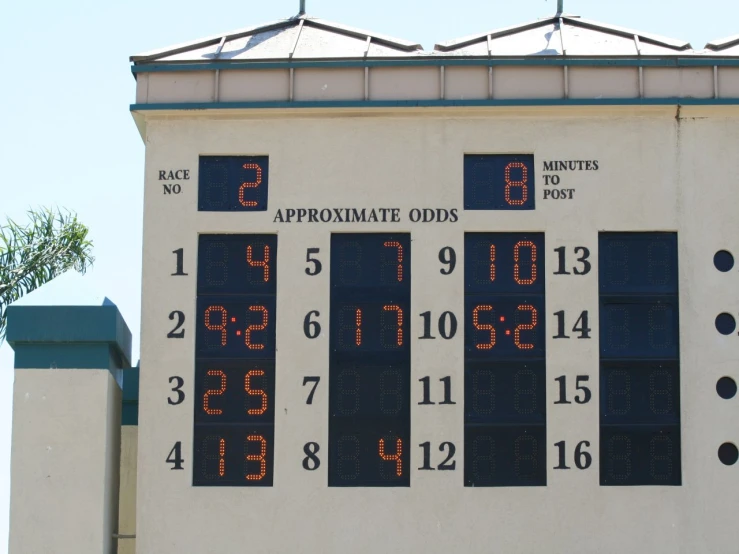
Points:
(393, 457)
(256, 457)
(394, 308)
(483, 327)
(221, 326)
(510, 183)
(395, 244)
(257, 327)
(525, 327)
(250, 185)
(516, 258)
(263, 263)
(255, 392)
(214, 392)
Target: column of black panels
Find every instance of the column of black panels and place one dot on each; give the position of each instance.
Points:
(504, 360)
(369, 362)
(639, 359)
(235, 361)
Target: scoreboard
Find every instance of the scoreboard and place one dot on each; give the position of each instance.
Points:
(497, 332)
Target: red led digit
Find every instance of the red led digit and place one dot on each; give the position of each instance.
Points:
(393, 457)
(483, 327)
(214, 392)
(222, 457)
(221, 326)
(516, 269)
(257, 457)
(256, 327)
(358, 338)
(393, 308)
(525, 327)
(492, 263)
(255, 392)
(510, 183)
(250, 185)
(263, 263)
(395, 244)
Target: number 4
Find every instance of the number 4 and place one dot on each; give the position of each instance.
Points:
(175, 456)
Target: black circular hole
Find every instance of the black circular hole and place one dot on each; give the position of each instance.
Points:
(723, 260)
(728, 454)
(725, 323)
(726, 388)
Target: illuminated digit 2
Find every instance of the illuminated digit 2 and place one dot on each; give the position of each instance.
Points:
(516, 258)
(255, 392)
(393, 457)
(395, 244)
(394, 308)
(510, 183)
(250, 185)
(221, 326)
(483, 327)
(263, 263)
(257, 327)
(214, 392)
(257, 457)
(525, 327)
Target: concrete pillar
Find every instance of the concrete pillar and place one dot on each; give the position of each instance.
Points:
(66, 427)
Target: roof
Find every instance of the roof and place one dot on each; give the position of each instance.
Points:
(723, 47)
(563, 35)
(300, 37)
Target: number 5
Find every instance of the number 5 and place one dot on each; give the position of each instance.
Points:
(317, 266)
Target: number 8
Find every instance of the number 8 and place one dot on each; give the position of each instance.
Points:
(523, 183)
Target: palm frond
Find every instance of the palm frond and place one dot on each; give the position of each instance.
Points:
(32, 255)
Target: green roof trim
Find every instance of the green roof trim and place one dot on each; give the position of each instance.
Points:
(69, 337)
(200, 106)
(693, 61)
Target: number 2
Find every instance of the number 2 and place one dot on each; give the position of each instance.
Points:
(250, 185)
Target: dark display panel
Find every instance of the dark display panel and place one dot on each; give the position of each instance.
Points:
(505, 368)
(369, 362)
(640, 359)
(233, 183)
(235, 360)
(499, 182)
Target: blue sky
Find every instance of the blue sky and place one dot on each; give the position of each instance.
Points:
(68, 138)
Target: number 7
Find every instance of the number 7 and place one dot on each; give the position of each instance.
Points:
(315, 381)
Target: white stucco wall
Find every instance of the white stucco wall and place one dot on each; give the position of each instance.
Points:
(64, 464)
(656, 173)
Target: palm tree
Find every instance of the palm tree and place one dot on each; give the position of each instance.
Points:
(32, 255)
